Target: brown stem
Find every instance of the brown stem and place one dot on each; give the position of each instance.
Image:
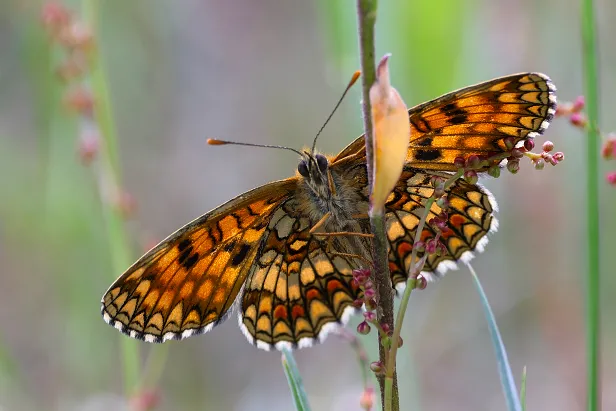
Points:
(366, 15)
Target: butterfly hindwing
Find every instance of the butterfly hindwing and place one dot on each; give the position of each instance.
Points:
(187, 284)
(470, 220)
(297, 290)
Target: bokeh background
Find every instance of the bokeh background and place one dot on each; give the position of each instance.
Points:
(270, 72)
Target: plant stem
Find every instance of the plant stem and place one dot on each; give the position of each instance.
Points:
(523, 389)
(109, 185)
(592, 212)
(366, 15)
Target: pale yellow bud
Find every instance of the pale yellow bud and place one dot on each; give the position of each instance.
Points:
(391, 131)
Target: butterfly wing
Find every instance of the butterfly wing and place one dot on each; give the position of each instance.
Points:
(475, 121)
(297, 290)
(187, 283)
(470, 220)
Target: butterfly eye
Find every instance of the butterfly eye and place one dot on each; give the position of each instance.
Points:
(303, 168)
(321, 162)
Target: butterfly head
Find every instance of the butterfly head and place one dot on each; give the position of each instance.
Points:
(314, 168)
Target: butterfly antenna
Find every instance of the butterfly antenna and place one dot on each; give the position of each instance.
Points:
(216, 142)
(346, 90)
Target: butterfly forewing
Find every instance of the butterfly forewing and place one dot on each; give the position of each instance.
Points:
(187, 283)
(476, 120)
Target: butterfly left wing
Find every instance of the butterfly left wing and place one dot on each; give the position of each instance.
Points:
(297, 290)
(470, 220)
(187, 284)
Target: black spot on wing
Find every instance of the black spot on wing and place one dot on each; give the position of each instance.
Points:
(427, 155)
(458, 119)
(183, 245)
(448, 107)
(240, 256)
(188, 258)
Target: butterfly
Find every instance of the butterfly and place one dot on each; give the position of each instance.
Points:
(291, 284)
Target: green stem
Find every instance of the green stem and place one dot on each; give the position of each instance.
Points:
(294, 378)
(154, 367)
(592, 212)
(366, 16)
(523, 389)
(110, 183)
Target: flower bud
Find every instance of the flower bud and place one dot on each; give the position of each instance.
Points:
(376, 367)
(548, 146)
(363, 328)
(494, 171)
(513, 166)
(421, 283)
(578, 104)
(370, 316)
(529, 144)
(473, 162)
(459, 162)
(578, 120)
(471, 176)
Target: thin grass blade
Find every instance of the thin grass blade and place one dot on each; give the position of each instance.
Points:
(294, 379)
(504, 369)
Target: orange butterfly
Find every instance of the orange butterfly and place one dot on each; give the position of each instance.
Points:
(295, 284)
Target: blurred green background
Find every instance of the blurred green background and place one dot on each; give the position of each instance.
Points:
(270, 72)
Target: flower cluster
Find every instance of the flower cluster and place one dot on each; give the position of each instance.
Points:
(574, 111)
(608, 152)
(77, 47)
(473, 164)
(76, 42)
(361, 277)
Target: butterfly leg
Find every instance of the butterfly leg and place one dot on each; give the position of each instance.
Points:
(320, 223)
(326, 217)
(331, 236)
(349, 255)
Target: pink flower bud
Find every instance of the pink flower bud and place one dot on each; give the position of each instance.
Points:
(363, 328)
(578, 104)
(578, 120)
(548, 146)
(529, 144)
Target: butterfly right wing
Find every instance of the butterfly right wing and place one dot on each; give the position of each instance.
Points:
(475, 120)
(187, 283)
(470, 220)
